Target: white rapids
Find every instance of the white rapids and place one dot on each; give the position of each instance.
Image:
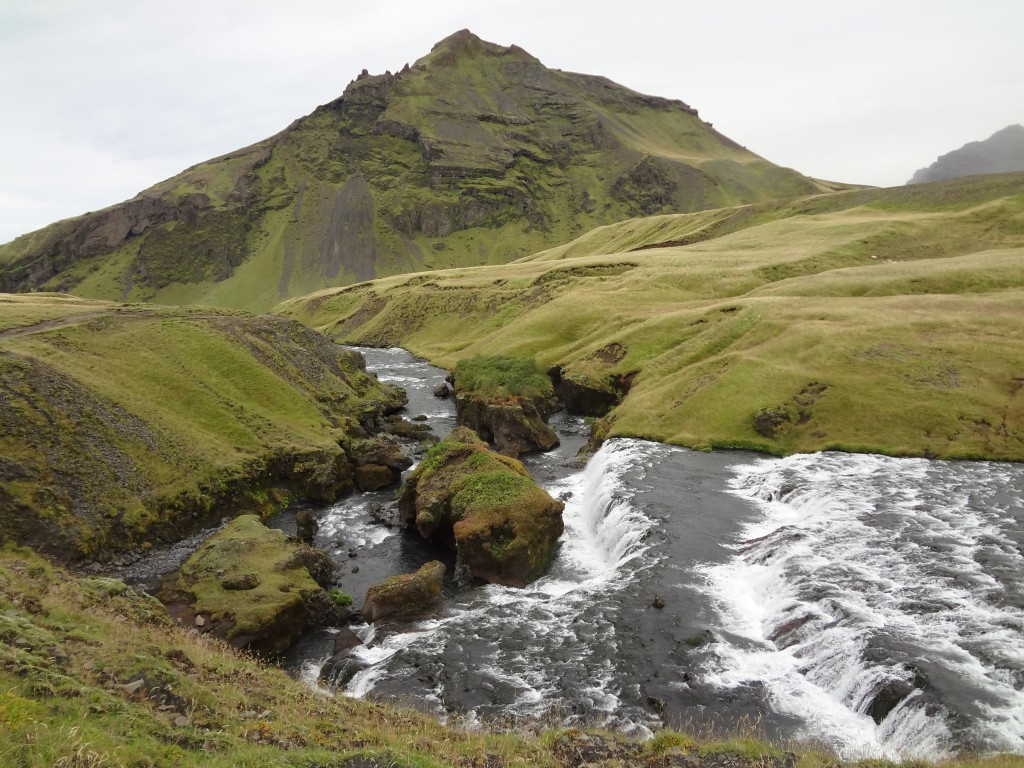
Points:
(870, 604)
(868, 573)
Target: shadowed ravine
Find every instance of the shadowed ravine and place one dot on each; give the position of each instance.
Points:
(815, 595)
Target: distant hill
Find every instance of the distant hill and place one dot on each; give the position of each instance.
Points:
(878, 320)
(1002, 152)
(476, 154)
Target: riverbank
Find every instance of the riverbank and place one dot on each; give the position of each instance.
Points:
(108, 647)
(126, 426)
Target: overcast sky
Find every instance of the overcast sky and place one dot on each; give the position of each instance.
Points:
(103, 98)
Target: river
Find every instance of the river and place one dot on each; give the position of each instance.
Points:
(871, 604)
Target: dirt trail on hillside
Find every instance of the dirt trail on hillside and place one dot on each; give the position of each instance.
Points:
(49, 325)
(81, 317)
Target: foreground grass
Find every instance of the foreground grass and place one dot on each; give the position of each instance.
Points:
(93, 674)
(72, 656)
(873, 321)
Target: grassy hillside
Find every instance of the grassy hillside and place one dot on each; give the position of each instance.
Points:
(94, 675)
(123, 424)
(869, 320)
(477, 154)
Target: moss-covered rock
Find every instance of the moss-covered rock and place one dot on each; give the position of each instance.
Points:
(502, 525)
(379, 462)
(515, 426)
(251, 585)
(407, 597)
(373, 477)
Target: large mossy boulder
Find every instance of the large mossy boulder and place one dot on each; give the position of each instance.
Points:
(407, 597)
(501, 524)
(506, 401)
(251, 585)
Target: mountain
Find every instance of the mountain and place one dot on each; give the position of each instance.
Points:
(1002, 152)
(476, 154)
(878, 321)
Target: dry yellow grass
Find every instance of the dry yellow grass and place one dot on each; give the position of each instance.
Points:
(887, 321)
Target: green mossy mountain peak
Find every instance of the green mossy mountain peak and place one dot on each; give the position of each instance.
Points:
(477, 154)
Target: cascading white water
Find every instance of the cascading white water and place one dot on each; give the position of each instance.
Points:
(603, 529)
(885, 587)
(502, 631)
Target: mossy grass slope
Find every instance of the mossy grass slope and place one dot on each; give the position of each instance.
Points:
(869, 320)
(477, 154)
(124, 424)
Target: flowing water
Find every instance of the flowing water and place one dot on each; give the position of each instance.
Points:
(873, 604)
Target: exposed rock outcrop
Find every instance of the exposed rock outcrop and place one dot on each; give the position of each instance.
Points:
(1002, 152)
(306, 525)
(501, 524)
(506, 400)
(515, 426)
(584, 395)
(379, 462)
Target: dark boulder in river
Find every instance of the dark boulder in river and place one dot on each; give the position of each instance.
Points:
(407, 597)
(514, 426)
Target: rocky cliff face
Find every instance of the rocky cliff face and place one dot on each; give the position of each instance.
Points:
(1002, 152)
(475, 154)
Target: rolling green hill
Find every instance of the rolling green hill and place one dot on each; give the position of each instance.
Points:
(476, 154)
(870, 320)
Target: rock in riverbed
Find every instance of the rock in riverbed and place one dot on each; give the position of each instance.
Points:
(408, 597)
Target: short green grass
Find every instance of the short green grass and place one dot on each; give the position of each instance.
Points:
(499, 376)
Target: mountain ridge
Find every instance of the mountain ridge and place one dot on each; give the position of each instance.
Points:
(1002, 152)
(474, 154)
